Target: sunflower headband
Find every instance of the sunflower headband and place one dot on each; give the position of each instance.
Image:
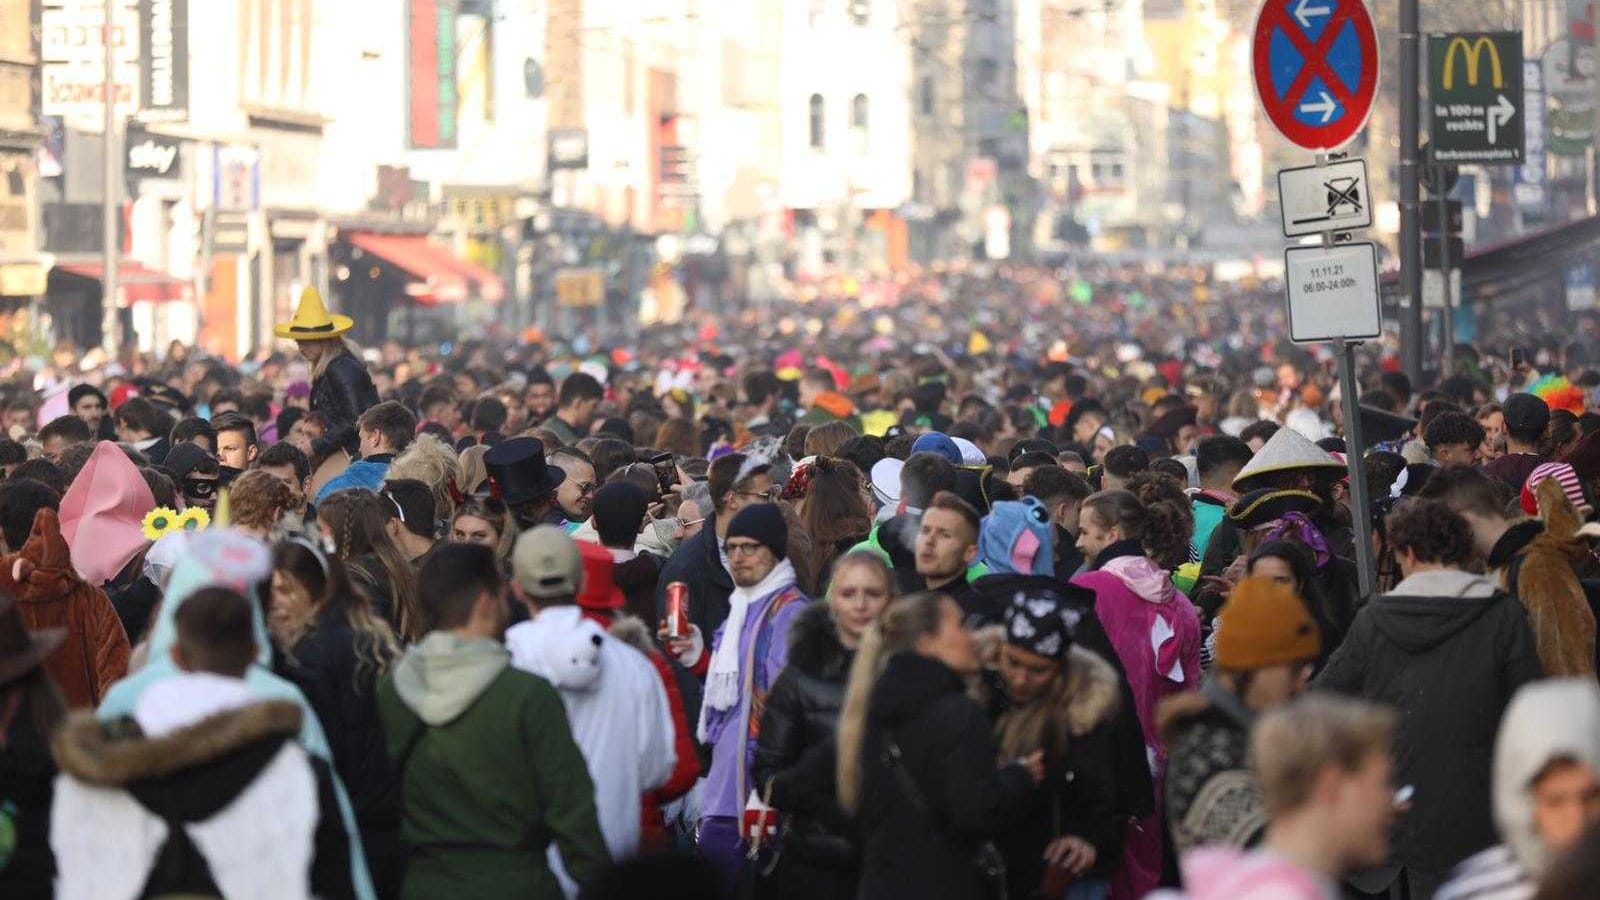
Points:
(162, 521)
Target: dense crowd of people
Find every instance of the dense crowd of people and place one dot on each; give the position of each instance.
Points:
(1057, 597)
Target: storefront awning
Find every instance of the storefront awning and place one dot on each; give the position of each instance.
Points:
(137, 283)
(442, 277)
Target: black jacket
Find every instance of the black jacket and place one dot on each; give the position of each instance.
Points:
(1447, 651)
(947, 757)
(27, 775)
(343, 392)
(324, 667)
(698, 563)
(1078, 795)
(796, 751)
(1135, 790)
(637, 580)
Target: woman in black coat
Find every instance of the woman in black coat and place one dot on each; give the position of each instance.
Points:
(341, 388)
(796, 752)
(1445, 649)
(918, 763)
(335, 648)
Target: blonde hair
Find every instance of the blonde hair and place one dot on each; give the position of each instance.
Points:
(474, 471)
(1293, 743)
(903, 623)
(336, 347)
(432, 462)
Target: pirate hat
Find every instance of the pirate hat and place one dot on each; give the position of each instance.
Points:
(312, 322)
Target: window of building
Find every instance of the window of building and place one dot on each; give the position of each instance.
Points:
(860, 11)
(817, 131)
(925, 95)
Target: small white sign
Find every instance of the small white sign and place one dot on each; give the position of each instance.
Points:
(1433, 288)
(1333, 292)
(1333, 197)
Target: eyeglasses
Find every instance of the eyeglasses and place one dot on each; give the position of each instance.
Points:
(746, 549)
(690, 523)
(769, 494)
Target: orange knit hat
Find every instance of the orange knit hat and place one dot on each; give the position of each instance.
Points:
(1264, 624)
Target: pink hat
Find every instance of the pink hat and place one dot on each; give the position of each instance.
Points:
(1564, 475)
(102, 514)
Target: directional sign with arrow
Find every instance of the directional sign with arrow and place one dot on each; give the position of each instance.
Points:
(1475, 97)
(1316, 69)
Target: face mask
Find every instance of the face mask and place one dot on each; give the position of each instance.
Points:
(666, 532)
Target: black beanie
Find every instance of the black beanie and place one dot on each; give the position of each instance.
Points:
(619, 508)
(764, 524)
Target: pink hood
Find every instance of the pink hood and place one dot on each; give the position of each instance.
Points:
(1224, 873)
(1144, 578)
(102, 514)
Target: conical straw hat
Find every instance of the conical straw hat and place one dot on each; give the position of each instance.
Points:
(1286, 449)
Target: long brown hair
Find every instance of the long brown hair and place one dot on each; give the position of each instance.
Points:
(834, 508)
(906, 620)
(495, 513)
(325, 579)
(355, 519)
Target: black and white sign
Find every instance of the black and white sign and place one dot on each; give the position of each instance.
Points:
(569, 149)
(164, 65)
(153, 155)
(1325, 198)
(1333, 292)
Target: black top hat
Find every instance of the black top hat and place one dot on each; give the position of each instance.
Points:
(20, 651)
(517, 469)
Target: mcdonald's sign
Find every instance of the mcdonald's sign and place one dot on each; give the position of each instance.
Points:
(1473, 54)
(1475, 98)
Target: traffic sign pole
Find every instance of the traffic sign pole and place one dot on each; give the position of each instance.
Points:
(1355, 453)
(1410, 191)
(1448, 331)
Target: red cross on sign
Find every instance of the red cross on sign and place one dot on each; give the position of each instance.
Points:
(1316, 69)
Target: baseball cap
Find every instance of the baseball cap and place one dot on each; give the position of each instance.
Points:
(938, 443)
(1526, 414)
(546, 563)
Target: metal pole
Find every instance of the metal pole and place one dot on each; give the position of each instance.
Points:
(1447, 330)
(108, 209)
(1360, 504)
(1411, 335)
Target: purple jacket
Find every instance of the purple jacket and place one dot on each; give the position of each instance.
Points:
(726, 730)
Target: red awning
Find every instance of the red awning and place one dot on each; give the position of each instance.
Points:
(443, 276)
(137, 283)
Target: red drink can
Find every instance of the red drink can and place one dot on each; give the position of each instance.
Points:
(677, 609)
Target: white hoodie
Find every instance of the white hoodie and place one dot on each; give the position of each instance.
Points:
(618, 711)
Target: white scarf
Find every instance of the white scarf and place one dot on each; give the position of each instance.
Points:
(723, 684)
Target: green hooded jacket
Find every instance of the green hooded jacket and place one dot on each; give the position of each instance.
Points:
(490, 775)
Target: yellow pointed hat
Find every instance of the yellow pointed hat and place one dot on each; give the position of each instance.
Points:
(312, 322)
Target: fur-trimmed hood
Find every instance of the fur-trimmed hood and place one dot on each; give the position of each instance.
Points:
(814, 646)
(1092, 692)
(117, 754)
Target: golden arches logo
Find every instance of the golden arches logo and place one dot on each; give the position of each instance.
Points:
(1474, 54)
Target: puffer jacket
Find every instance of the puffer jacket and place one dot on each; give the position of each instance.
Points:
(1446, 650)
(796, 750)
(50, 594)
(343, 392)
